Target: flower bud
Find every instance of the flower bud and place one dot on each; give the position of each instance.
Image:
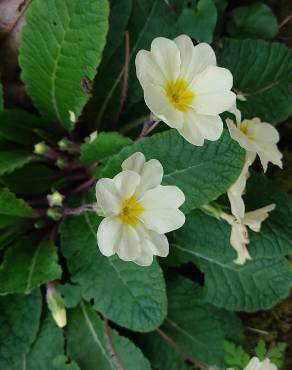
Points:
(56, 305)
(41, 148)
(65, 144)
(55, 199)
(61, 163)
(54, 214)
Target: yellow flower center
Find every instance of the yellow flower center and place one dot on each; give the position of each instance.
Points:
(179, 95)
(131, 210)
(245, 130)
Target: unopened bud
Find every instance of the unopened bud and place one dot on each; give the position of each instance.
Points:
(55, 199)
(54, 214)
(241, 97)
(61, 163)
(92, 136)
(65, 144)
(72, 116)
(41, 148)
(56, 305)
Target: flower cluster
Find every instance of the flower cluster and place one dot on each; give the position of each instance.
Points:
(184, 88)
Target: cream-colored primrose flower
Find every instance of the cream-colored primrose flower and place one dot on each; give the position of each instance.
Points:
(256, 364)
(184, 88)
(138, 211)
(239, 238)
(257, 137)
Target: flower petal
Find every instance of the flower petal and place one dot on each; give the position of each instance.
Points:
(148, 71)
(194, 59)
(167, 56)
(109, 234)
(239, 240)
(161, 213)
(126, 183)
(238, 136)
(198, 127)
(151, 172)
(254, 219)
(134, 163)
(129, 248)
(212, 89)
(157, 101)
(108, 198)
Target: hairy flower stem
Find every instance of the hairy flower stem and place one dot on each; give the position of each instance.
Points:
(79, 210)
(113, 350)
(149, 126)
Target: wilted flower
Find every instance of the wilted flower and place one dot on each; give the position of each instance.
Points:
(184, 88)
(257, 137)
(138, 211)
(236, 191)
(239, 238)
(256, 364)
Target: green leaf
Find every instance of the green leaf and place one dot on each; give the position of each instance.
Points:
(10, 161)
(262, 71)
(235, 356)
(12, 206)
(197, 327)
(120, 11)
(254, 21)
(1, 98)
(61, 47)
(27, 265)
(48, 344)
(199, 23)
(132, 296)
(17, 126)
(104, 145)
(202, 173)
(276, 232)
(277, 354)
(149, 19)
(261, 350)
(61, 363)
(88, 343)
(259, 284)
(34, 178)
(19, 322)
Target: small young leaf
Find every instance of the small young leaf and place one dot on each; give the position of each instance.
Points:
(104, 145)
(61, 47)
(261, 350)
(132, 296)
(202, 173)
(88, 343)
(199, 23)
(19, 322)
(27, 265)
(235, 356)
(263, 72)
(254, 21)
(277, 354)
(11, 206)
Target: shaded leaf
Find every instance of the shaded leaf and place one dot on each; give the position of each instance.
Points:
(12, 206)
(10, 161)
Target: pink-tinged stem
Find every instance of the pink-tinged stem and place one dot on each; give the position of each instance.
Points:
(148, 127)
(108, 334)
(83, 186)
(79, 210)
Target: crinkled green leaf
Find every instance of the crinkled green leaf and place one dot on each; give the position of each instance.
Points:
(61, 363)
(258, 284)
(263, 72)
(12, 206)
(27, 265)
(104, 145)
(130, 295)
(17, 126)
(61, 48)
(71, 294)
(48, 344)
(255, 21)
(19, 322)
(88, 343)
(202, 173)
(199, 23)
(34, 178)
(149, 19)
(275, 237)
(10, 161)
(1, 98)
